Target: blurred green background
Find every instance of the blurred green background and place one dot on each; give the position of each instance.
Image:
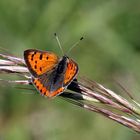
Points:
(110, 50)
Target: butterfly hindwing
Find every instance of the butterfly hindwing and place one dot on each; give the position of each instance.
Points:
(40, 62)
(43, 90)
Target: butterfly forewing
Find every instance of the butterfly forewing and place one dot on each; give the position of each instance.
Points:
(40, 62)
(71, 72)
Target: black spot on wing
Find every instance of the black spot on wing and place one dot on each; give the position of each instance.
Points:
(35, 67)
(41, 56)
(40, 69)
(32, 56)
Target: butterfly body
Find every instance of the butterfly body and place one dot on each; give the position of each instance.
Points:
(50, 75)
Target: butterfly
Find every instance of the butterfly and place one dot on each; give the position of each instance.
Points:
(50, 74)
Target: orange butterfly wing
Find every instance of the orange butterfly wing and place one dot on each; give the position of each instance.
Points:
(71, 72)
(40, 62)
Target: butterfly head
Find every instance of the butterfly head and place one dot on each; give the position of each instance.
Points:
(65, 57)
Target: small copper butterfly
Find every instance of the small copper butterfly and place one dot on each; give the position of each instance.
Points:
(50, 75)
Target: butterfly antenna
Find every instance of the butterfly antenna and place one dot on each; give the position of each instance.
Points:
(74, 45)
(59, 44)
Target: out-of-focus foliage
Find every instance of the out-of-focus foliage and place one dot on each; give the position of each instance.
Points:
(110, 50)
